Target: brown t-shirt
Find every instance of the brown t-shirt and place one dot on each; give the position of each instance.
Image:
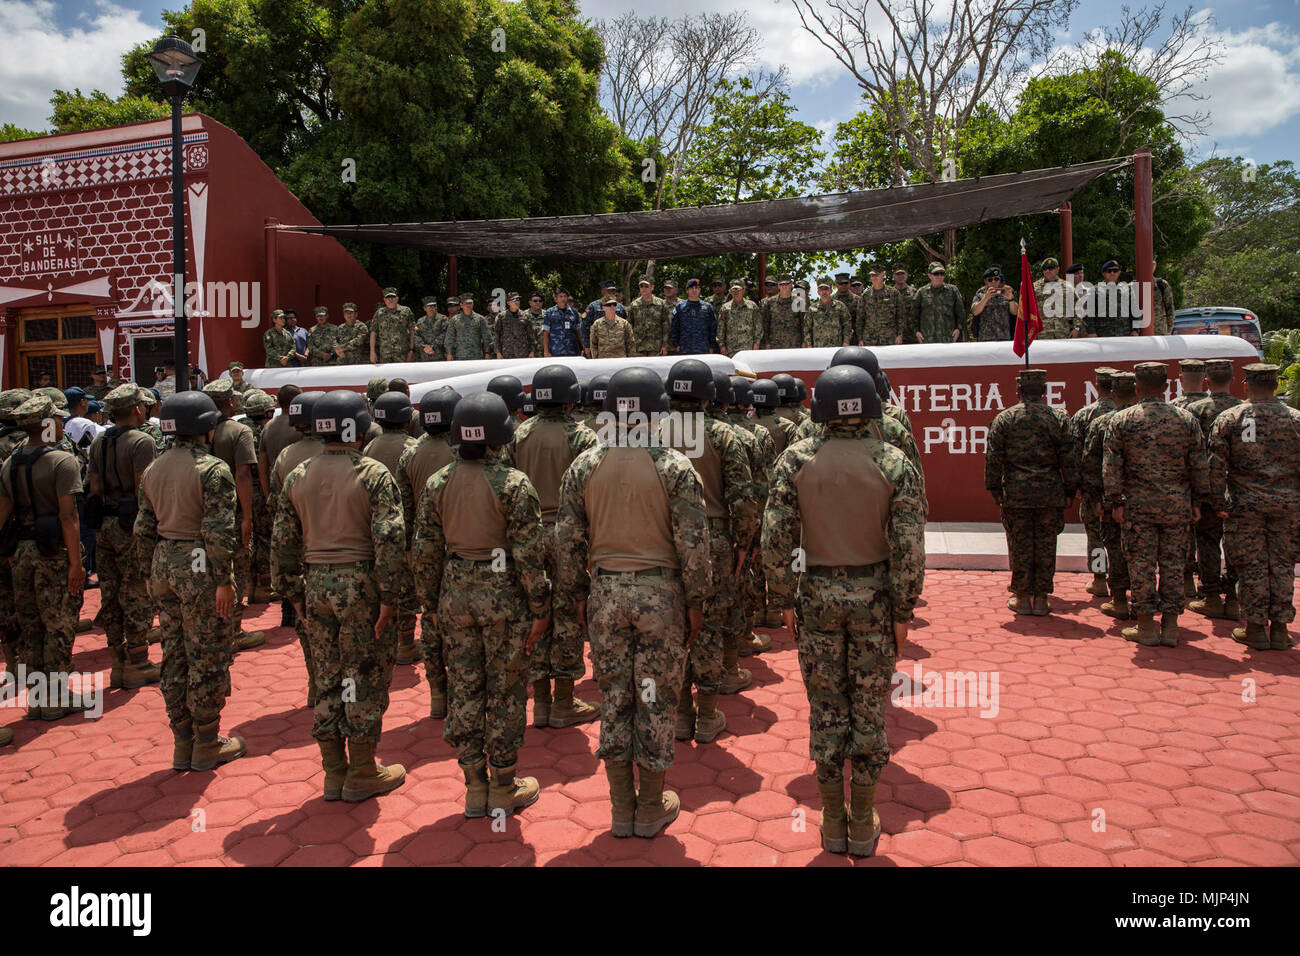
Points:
(629, 523)
(277, 436)
(472, 520)
(334, 508)
(175, 491)
(55, 474)
(232, 442)
(841, 487)
(292, 457)
(544, 456)
(431, 455)
(387, 448)
(133, 452)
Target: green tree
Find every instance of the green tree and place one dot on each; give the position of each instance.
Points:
(9, 132)
(73, 112)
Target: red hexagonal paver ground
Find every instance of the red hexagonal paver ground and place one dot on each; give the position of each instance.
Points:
(1094, 752)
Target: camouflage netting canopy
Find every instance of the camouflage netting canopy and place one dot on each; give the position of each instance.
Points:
(836, 221)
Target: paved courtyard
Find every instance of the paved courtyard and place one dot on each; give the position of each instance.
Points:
(1092, 751)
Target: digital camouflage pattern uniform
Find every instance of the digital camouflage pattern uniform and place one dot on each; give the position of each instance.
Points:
(1093, 487)
(485, 604)
(762, 456)
(278, 343)
(11, 436)
(636, 621)
(341, 599)
(1055, 307)
(1255, 460)
(1090, 499)
(881, 316)
(782, 325)
(935, 313)
(827, 326)
(392, 331)
(852, 303)
(430, 330)
(515, 335)
(354, 337)
(1217, 576)
(468, 337)
(994, 324)
(740, 326)
(1155, 467)
(1032, 474)
(649, 324)
(1162, 308)
(611, 339)
(185, 566)
(846, 612)
(321, 339)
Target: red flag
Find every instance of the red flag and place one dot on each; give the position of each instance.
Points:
(1028, 322)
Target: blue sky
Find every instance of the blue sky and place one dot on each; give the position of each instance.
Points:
(1253, 95)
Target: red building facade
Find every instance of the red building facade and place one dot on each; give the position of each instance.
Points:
(86, 253)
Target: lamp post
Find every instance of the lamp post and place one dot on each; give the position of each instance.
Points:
(176, 65)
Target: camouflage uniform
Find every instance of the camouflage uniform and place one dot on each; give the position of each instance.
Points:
(341, 601)
(611, 339)
(184, 572)
(515, 335)
(782, 326)
(1217, 576)
(1162, 307)
(762, 456)
(1110, 310)
(935, 313)
(387, 449)
(355, 339)
(846, 643)
(1090, 499)
(1093, 488)
(740, 326)
(636, 620)
(1255, 459)
(827, 326)
(484, 614)
(321, 340)
(1155, 467)
(995, 323)
(1032, 474)
(649, 324)
(852, 303)
(392, 331)
(887, 429)
(1055, 307)
(468, 337)
(278, 343)
(881, 318)
(430, 330)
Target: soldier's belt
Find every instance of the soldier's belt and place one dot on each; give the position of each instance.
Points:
(363, 565)
(850, 569)
(647, 573)
(456, 557)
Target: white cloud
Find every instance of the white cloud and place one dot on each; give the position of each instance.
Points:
(1256, 86)
(37, 55)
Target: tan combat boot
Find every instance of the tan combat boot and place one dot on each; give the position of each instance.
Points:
(734, 677)
(709, 721)
(1098, 586)
(1211, 606)
(182, 745)
(755, 643)
(835, 823)
(1040, 606)
(1145, 633)
(622, 797)
(1169, 629)
(567, 710)
(210, 748)
(510, 793)
(1117, 606)
(1254, 636)
(864, 821)
(365, 778)
(476, 789)
(117, 663)
(438, 697)
(542, 702)
(1232, 608)
(1278, 637)
(655, 807)
(1021, 603)
(334, 760)
(685, 728)
(139, 670)
(245, 640)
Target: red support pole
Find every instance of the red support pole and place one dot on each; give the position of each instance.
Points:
(1067, 237)
(451, 276)
(271, 234)
(1143, 234)
(762, 274)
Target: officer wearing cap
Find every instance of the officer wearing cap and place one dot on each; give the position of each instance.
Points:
(479, 556)
(1030, 471)
(1055, 302)
(782, 316)
(649, 316)
(880, 312)
(852, 301)
(1255, 485)
(828, 323)
(392, 331)
(1154, 474)
(611, 336)
(468, 334)
(118, 459)
(393, 412)
(1110, 308)
(643, 596)
(693, 329)
(1218, 577)
(740, 324)
(849, 610)
(906, 292)
(352, 338)
(321, 339)
(1090, 499)
(994, 309)
(561, 335)
(344, 567)
(278, 341)
(166, 383)
(596, 309)
(236, 370)
(187, 544)
(431, 331)
(938, 314)
(101, 384)
(514, 333)
(720, 294)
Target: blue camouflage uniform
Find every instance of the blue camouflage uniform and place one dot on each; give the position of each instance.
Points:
(694, 328)
(562, 326)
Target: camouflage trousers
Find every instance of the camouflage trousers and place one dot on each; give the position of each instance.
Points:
(260, 558)
(724, 617)
(353, 667)
(637, 625)
(1215, 578)
(558, 653)
(846, 655)
(125, 611)
(1264, 549)
(8, 623)
(195, 642)
(1117, 578)
(433, 651)
(46, 617)
(484, 619)
(1150, 548)
(242, 562)
(1090, 518)
(1031, 547)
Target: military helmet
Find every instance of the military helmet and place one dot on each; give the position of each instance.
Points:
(393, 408)
(721, 387)
(785, 386)
(742, 392)
(556, 385)
(376, 387)
(300, 408)
(845, 391)
(690, 379)
(765, 393)
(593, 393)
(800, 393)
(10, 399)
(510, 390)
(188, 413)
(482, 419)
(866, 360)
(638, 389)
(436, 409)
(258, 403)
(334, 410)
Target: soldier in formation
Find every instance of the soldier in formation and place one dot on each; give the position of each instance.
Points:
(1217, 577)
(1090, 499)
(393, 413)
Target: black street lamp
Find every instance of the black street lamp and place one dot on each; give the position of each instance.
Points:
(176, 65)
